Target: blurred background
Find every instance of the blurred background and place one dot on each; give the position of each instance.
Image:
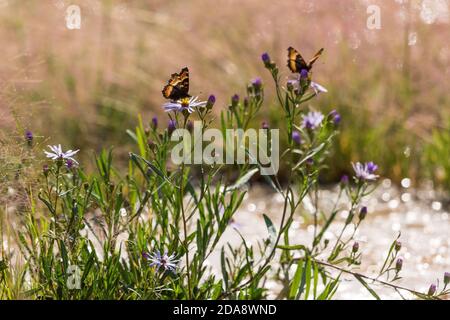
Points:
(84, 87)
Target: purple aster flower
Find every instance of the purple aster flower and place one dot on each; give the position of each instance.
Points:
(265, 58)
(155, 122)
(158, 260)
(364, 171)
(432, 290)
(188, 104)
(56, 153)
(211, 101)
(172, 126)
(317, 88)
(312, 120)
(296, 137)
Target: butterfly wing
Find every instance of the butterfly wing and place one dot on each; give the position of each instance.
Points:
(178, 85)
(295, 61)
(316, 56)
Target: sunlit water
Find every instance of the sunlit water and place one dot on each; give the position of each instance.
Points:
(422, 217)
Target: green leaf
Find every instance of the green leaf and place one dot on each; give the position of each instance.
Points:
(364, 283)
(243, 180)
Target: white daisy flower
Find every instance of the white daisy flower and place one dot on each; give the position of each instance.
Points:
(57, 153)
(188, 104)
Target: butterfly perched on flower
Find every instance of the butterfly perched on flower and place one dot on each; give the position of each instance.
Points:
(177, 87)
(296, 63)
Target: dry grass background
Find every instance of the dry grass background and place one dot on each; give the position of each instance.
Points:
(85, 87)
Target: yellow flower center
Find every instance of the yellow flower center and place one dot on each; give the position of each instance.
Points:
(184, 102)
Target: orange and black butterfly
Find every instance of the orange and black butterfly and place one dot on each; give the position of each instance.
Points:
(178, 86)
(296, 63)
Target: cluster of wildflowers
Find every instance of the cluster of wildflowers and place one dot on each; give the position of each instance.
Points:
(183, 213)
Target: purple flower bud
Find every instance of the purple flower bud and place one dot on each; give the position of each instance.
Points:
(155, 122)
(304, 74)
(257, 83)
(335, 116)
(265, 125)
(399, 264)
(398, 245)
(29, 136)
(45, 169)
(355, 247)
(362, 213)
(171, 127)
(211, 101)
(296, 137)
(150, 143)
(446, 278)
(234, 100)
(69, 164)
(432, 290)
(344, 179)
(310, 161)
(190, 126)
(371, 167)
(265, 58)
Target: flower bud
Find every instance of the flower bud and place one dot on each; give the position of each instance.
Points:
(304, 74)
(210, 102)
(257, 84)
(190, 126)
(45, 169)
(399, 264)
(171, 127)
(266, 59)
(335, 116)
(265, 125)
(398, 245)
(355, 247)
(246, 103)
(296, 137)
(234, 100)
(150, 143)
(344, 179)
(29, 137)
(446, 278)
(155, 122)
(432, 289)
(362, 213)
